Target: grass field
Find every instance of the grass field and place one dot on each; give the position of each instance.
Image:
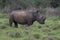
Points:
(49, 31)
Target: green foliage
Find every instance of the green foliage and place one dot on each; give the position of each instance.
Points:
(4, 3)
(26, 3)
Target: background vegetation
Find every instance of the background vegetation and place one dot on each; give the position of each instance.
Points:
(8, 5)
(49, 31)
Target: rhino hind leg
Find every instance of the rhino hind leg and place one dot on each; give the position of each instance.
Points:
(16, 24)
(10, 22)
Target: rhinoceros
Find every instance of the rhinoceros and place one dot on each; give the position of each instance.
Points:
(25, 17)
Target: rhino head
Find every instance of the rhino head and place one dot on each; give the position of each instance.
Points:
(39, 18)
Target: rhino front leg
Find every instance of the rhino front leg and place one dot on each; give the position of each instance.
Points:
(29, 23)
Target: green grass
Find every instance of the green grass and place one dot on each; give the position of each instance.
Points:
(49, 31)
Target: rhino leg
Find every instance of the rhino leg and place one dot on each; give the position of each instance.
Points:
(29, 23)
(16, 25)
(10, 21)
